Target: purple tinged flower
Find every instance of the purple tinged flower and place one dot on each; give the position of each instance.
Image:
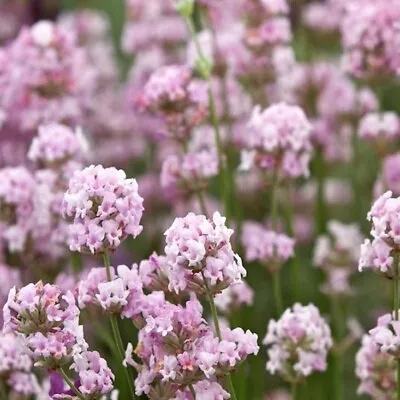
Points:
(104, 207)
(298, 343)
(199, 249)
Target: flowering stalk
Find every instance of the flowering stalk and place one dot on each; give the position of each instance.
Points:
(338, 357)
(294, 391)
(396, 305)
(214, 314)
(205, 70)
(273, 214)
(295, 273)
(116, 332)
(71, 384)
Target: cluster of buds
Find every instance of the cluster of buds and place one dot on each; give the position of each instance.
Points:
(337, 253)
(278, 142)
(270, 248)
(16, 206)
(381, 129)
(177, 349)
(376, 370)
(200, 256)
(370, 40)
(379, 253)
(177, 98)
(120, 295)
(299, 343)
(104, 208)
(189, 173)
(43, 79)
(47, 320)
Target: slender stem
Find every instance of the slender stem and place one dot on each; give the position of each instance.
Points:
(192, 391)
(294, 265)
(276, 282)
(396, 306)
(338, 321)
(294, 391)
(117, 334)
(3, 392)
(71, 384)
(320, 215)
(203, 207)
(214, 314)
(215, 122)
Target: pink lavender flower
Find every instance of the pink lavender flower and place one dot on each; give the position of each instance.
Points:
(370, 39)
(298, 343)
(391, 174)
(233, 297)
(46, 77)
(386, 335)
(104, 207)
(375, 370)
(177, 348)
(378, 253)
(56, 143)
(381, 129)
(14, 355)
(95, 377)
(199, 250)
(47, 320)
(10, 277)
(189, 173)
(271, 248)
(204, 390)
(16, 206)
(340, 247)
(181, 101)
(118, 296)
(278, 139)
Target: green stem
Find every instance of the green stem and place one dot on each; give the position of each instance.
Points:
(339, 330)
(192, 391)
(276, 282)
(203, 207)
(294, 265)
(357, 193)
(71, 384)
(320, 215)
(396, 306)
(294, 391)
(276, 279)
(214, 314)
(117, 334)
(224, 178)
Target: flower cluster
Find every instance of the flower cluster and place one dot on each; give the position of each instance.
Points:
(119, 295)
(199, 254)
(189, 173)
(378, 253)
(177, 98)
(370, 39)
(386, 335)
(177, 348)
(16, 206)
(46, 77)
(278, 140)
(337, 253)
(48, 321)
(375, 370)
(55, 144)
(299, 343)
(382, 129)
(95, 376)
(104, 207)
(271, 248)
(233, 297)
